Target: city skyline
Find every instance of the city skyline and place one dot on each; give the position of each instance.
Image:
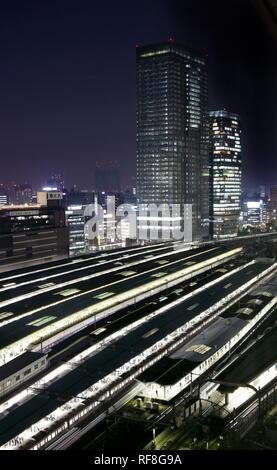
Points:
(138, 228)
(60, 102)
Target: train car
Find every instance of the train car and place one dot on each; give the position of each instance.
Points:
(16, 372)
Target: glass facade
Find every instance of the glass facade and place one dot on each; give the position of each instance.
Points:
(173, 130)
(253, 212)
(75, 220)
(225, 174)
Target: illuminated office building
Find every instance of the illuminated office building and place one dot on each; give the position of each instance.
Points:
(75, 221)
(253, 212)
(56, 181)
(35, 231)
(225, 174)
(3, 198)
(173, 130)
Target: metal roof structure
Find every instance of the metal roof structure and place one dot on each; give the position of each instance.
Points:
(169, 370)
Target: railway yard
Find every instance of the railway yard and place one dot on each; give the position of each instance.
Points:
(168, 345)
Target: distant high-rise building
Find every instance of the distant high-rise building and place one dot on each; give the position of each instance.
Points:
(3, 199)
(107, 177)
(130, 196)
(173, 130)
(253, 212)
(24, 194)
(18, 193)
(75, 221)
(273, 197)
(33, 231)
(262, 192)
(80, 197)
(3, 195)
(225, 173)
(56, 181)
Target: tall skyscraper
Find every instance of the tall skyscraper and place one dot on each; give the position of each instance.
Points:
(173, 130)
(225, 173)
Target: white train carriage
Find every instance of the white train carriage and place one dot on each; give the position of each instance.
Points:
(16, 372)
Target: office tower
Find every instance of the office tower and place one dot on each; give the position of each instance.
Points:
(3, 195)
(3, 199)
(253, 212)
(75, 221)
(80, 197)
(273, 197)
(225, 174)
(172, 130)
(56, 181)
(107, 177)
(24, 194)
(33, 231)
(130, 196)
(262, 192)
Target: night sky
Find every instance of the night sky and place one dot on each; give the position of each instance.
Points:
(67, 81)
